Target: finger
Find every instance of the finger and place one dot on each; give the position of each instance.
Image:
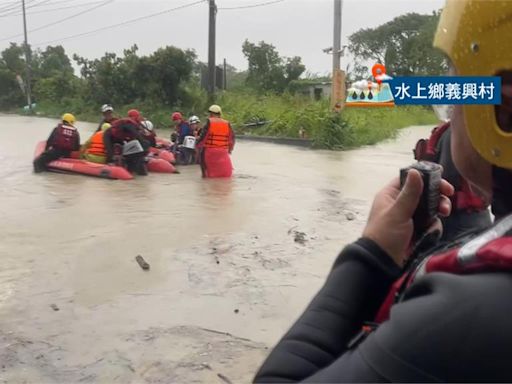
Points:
(436, 228)
(445, 206)
(446, 188)
(409, 196)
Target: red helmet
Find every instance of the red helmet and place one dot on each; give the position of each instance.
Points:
(134, 115)
(176, 116)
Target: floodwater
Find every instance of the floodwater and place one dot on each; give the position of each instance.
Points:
(233, 262)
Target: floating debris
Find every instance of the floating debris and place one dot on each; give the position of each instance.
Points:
(143, 264)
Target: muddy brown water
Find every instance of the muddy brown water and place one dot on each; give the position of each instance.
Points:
(233, 262)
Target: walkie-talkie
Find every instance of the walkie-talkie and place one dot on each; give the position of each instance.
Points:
(428, 206)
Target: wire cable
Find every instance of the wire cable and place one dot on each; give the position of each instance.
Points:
(119, 24)
(17, 11)
(61, 20)
(54, 9)
(251, 6)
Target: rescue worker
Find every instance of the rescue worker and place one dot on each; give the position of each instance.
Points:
(469, 211)
(108, 115)
(148, 132)
(182, 128)
(194, 123)
(125, 131)
(217, 141)
(94, 148)
(447, 317)
(147, 135)
(63, 140)
(135, 115)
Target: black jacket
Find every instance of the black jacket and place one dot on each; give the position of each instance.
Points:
(451, 328)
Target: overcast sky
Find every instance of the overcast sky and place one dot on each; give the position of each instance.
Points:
(295, 27)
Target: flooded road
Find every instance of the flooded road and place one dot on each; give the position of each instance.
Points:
(233, 262)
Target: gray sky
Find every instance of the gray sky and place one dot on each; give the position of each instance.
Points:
(294, 27)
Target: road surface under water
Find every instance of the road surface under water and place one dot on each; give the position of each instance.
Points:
(233, 262)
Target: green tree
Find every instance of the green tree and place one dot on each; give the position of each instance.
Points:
(403, 45)
(171, 68)
(53, 74)
(125, 80)
(267, 70)
(53, 61)
(13, 58)
(12, 63)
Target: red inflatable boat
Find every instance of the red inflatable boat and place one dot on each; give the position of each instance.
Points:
(160, 166)
(83, 167)
(162, 154)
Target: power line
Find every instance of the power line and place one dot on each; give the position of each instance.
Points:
(252, 6)
(8, 8)
(13, 11)
(55, 9)
(9, 5)
(120, 24)
(61, 20)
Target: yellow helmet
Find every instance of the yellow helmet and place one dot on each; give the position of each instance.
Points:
(105, 126)
(475, 34)
(215, 109)
(68, 118)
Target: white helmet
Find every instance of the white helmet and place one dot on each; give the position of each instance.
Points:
(194, 120)
(148, 125)
(106, 108)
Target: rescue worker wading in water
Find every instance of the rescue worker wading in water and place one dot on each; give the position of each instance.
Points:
(445, 317)
(216, 134)
(63, 140)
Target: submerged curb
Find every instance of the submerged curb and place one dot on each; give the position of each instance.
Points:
(304, 143)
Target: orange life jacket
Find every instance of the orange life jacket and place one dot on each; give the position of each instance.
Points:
(96, 146)
(219, 134)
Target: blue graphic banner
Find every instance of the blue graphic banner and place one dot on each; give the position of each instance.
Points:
(428, 90)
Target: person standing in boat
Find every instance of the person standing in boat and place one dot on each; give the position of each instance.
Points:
(62, 141)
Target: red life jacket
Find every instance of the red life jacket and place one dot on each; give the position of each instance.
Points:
(491, 251)
(120, 134)
(65, 138)
(463, 199)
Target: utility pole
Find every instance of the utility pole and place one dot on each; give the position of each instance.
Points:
(225, 77)
(338, 76)
(211, 52)
(27, 60)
